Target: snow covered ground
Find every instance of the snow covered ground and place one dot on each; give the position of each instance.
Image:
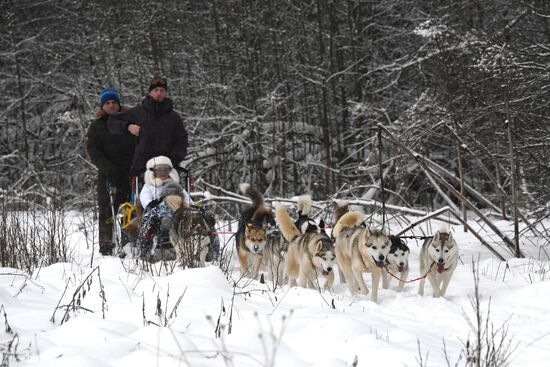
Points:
(201, 317)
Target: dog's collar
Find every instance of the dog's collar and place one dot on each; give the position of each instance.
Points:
(363, 261)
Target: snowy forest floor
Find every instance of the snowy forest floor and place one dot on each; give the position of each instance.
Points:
(104, 311)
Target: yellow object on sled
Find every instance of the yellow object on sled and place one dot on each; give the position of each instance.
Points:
(126, 212)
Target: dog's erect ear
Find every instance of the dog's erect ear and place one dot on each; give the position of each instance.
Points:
(385, 232)
(321, 224)
(450, 240)
(318, 246)
(249, 226)
(435, 238)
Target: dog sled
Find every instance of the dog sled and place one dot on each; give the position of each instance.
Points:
(187, 230)
(123, 218)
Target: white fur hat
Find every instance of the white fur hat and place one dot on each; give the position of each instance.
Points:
(149, 176)
(158, 161)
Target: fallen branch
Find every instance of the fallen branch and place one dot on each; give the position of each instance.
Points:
(422, 161)
(457, 216)
(420, 220)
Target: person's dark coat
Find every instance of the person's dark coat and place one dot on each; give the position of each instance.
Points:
(111, 154)
(162, 132)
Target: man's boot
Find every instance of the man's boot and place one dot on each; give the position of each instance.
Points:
(106, 248)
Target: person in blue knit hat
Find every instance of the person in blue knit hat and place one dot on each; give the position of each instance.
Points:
(109, 94)
(112, 155)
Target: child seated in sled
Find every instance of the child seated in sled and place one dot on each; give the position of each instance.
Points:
(161, 184)
(160, 172)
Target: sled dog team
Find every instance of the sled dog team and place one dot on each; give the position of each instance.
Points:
(301, 253)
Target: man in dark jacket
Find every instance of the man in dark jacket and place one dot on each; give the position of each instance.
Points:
(112, 155)
(159, 128)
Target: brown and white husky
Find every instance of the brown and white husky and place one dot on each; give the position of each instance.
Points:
(360, 249)
(251, 236)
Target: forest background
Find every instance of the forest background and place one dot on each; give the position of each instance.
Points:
(293, 96)
(422, 106)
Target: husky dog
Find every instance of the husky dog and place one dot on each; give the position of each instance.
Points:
(438, 259)
(275, 251)
(251, 235)
(305, 223)
(189, 232)
(341, 208)
(396, 261)
(358, 250)
(277, 246)
(309, 255)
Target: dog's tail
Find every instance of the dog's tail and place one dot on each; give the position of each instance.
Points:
(175, 202)
(303, 205)
(252, 193)
(263, 216)
(348, 220)
(286, 225)
(342, 207)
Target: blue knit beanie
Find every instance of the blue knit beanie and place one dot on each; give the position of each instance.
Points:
(108, 94)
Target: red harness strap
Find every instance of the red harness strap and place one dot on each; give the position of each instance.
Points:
(412, 280)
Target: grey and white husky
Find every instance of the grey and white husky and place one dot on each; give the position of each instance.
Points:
(438, 259)
(277, 245)
(310, 255)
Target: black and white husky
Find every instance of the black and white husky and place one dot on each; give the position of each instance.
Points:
(438, 259)
(305, 223)
(397, 261)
